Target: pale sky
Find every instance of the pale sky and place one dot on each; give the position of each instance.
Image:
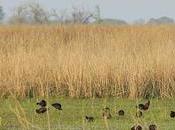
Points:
(128, 10)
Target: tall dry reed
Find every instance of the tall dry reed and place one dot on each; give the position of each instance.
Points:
(87, 61)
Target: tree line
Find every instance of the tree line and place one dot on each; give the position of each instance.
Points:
(34, 13)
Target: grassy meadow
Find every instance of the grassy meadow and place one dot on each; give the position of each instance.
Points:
(86, 67)
(20, 115)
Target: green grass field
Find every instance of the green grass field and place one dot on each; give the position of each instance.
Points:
(21, 114)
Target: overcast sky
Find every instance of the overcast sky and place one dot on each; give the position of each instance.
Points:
(128, 10)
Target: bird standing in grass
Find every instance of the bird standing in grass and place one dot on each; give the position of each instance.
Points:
(172, 114)
(57, 106)
(139, 114)
(41, 110)
(121, 112)
(136, 127)
(152, 127)
(89, 118)
(42, 103)
(106, 113)
(145, 106)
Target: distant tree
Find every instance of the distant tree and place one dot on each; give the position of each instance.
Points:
(161, 20)
(58, 16)
(80, 16)
(97, 14)
(76, 16)
(2, 14)
(32, 13)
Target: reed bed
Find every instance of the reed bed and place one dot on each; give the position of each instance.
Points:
(87, 61)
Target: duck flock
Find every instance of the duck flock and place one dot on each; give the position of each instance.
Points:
(43, 107)
(106, 113)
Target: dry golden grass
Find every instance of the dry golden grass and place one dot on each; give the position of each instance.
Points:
(87, 61)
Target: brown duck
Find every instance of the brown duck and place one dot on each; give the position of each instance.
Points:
(172, 114)
(152, 127)
(136, 127)
(145, 106)
(42, 103)
(106, 113)
(89, 118)
(57, 106)
(121, 112)
(139, 114)
(41, 110)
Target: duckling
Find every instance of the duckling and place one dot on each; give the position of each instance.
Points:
(144, 106)
(41, 110)
(139, 114)
(152, 127)
(89, 118)
(172, 114)
(42, 103)
(57, 106)
(106, 113)
(136, 127)
(121, 113)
